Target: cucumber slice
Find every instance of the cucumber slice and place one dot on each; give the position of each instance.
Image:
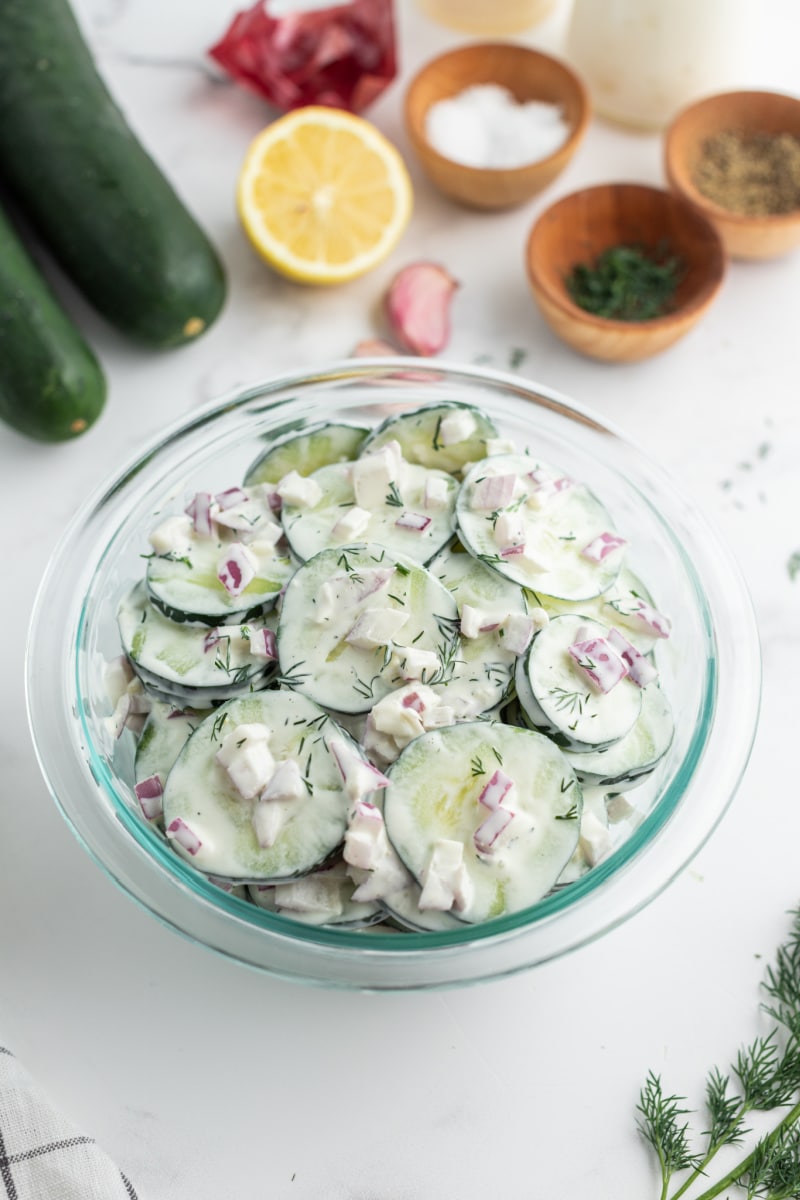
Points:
(556, 697)
(420, 436)
(200, 793)
(635, 755)
(323, 897)
(553, 535)
(188, 588)
(189, 662)
(165, 733)
(316, 446)
(314, 528)
(322, 603)
(483, 669)
(592, 836)
(403, 907)
(615, 607)
(434, 795)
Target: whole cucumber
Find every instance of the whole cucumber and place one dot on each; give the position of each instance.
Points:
(51, 385)
(96, 198)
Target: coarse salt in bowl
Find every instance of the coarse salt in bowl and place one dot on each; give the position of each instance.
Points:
(709, 667)
(494, 123)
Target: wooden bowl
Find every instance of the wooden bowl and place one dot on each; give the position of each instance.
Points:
(578, 228)
(744, 113)
(528, 75)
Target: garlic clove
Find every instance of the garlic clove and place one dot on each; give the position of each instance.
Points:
(418, 307)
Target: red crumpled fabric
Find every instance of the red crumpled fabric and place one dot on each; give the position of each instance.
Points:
(342, 56)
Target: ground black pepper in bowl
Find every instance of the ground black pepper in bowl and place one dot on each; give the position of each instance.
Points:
(755, 174)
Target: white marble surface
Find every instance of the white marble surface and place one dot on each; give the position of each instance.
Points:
(205, 1080)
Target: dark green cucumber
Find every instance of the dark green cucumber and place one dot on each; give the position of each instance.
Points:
(94, 195)
(51, 384)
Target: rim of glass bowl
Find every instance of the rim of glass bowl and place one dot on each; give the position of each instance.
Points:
(139, 860)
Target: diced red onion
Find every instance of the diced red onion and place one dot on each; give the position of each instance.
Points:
(489, 627)
(263, 644)
(224, 885)
(275, 502)
(369, 581)
(416, 521)
(183, 835)
(236, 568)
(600, 662)
(640, 669)
(149, 793)
(653, 620)
(199, 509)
(129, 711)
(356, 770)
(517, 632)
(493, 491)
(212, 638)
(415, 701)
(368, 810)
(496, 790)
(545, 487)
(180, 712)
(510, 551)
(489, 830)
(231, 497)
(603, 545)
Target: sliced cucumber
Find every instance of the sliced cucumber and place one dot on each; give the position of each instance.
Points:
(615, 608)
(420, 436)
(434, 796)
(199, 792)
(556, 697)
(306, 451)
(483, 669)
(322, 603)
(403, 907)
(552, 535)
(189, 662)
(323, 897)
(316, 527)
(188, 588)
(592, 839)
(635, 755)
(165, 733)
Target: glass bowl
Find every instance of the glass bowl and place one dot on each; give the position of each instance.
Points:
(710, 669)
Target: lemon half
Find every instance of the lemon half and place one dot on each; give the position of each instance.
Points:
(323, 196)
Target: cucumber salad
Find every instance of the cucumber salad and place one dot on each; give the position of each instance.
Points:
(402, 675)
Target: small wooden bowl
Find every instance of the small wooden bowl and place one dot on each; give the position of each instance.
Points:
(578, 228)
(744, 113)
(528, 75)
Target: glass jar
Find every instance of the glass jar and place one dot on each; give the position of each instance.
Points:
(495, 19)
(642, 60)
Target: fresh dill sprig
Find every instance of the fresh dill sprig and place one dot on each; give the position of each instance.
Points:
(393, 499)
(764, 1077)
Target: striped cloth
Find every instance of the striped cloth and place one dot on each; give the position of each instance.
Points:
(43, 1156)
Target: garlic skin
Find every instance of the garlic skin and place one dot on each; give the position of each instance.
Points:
(418, 307)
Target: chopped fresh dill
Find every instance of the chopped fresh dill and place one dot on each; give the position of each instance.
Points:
(217, 726)
(626, 283)
(477, 766)
(569, 702)
(394, 499)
